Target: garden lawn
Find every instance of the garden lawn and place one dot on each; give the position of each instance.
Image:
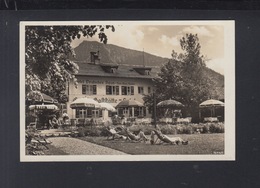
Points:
(198, 144)
(53, 151)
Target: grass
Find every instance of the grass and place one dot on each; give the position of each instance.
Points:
(53, 151)
(198, 144)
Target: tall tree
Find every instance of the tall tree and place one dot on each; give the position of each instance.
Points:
(47, 56)
(183, 77)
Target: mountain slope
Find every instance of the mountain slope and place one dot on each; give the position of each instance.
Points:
(110, 53)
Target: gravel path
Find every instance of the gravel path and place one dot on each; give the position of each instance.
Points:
(74, 146)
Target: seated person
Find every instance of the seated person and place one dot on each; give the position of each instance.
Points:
(114, 133)
(54, 123)
(142, 135)
(66, 120)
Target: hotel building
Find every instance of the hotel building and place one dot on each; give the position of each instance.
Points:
(111, 83)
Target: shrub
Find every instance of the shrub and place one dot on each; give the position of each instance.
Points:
(205, 129)
(184, 129)
(147, 129)
(168, 129)
(81, 132)
(216, 128)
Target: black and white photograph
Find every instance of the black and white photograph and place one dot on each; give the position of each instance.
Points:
(127, 90)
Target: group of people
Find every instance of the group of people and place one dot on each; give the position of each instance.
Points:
(55, 123)
(140, 136)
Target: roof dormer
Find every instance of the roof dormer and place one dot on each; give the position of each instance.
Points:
(94, 57)
(143, 70)
(109, 68)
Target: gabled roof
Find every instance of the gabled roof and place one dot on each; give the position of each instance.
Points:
(123, 71)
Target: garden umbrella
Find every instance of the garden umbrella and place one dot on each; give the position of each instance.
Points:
(129, 103)
(107, 106)
(211, 103)
(43, 107)
(170, 104)
(84, 103)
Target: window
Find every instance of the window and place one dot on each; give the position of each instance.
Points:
(141, 90)
(112, 90)
(147, 72)
(89, 89)
(127, 90)
(112, 70)
(81, 113)
(89, 113)
(96, 113)
(149, 89)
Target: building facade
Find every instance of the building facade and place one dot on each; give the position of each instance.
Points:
(111, 84)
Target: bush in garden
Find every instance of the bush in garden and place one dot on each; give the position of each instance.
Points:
(205, 129)
(81, 132)
(147, 129)
(94, 131)
(216, 128)
(168, 129)
(184, 129)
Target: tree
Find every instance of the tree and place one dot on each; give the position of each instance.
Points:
(48, 53)
(183, 77)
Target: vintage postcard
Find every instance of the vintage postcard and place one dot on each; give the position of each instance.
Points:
(127, 90)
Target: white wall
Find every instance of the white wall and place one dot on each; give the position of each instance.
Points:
(101, 96)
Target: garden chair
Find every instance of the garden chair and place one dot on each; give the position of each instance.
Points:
(115, 134)
(166, 139)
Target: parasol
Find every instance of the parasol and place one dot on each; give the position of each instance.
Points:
(211, 103)
(129, 103)
(85, 103)
(170, 104)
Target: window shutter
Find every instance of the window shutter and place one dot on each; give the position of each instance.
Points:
(83, 89)
(117, 90)
(132, 90)
(94, 89)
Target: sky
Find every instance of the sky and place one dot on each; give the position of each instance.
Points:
(160, 40)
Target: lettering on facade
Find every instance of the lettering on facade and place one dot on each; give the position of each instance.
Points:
(107, 100)
(106, 82)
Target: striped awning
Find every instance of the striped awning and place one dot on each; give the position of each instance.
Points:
(129, 103)
(43, 107)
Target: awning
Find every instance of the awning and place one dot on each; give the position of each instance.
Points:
(129, 103)
(40, 97)
(43, 107)
(107, 106)
(85, 103)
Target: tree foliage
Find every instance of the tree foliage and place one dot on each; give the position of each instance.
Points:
(47, 56)
(183, 77)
